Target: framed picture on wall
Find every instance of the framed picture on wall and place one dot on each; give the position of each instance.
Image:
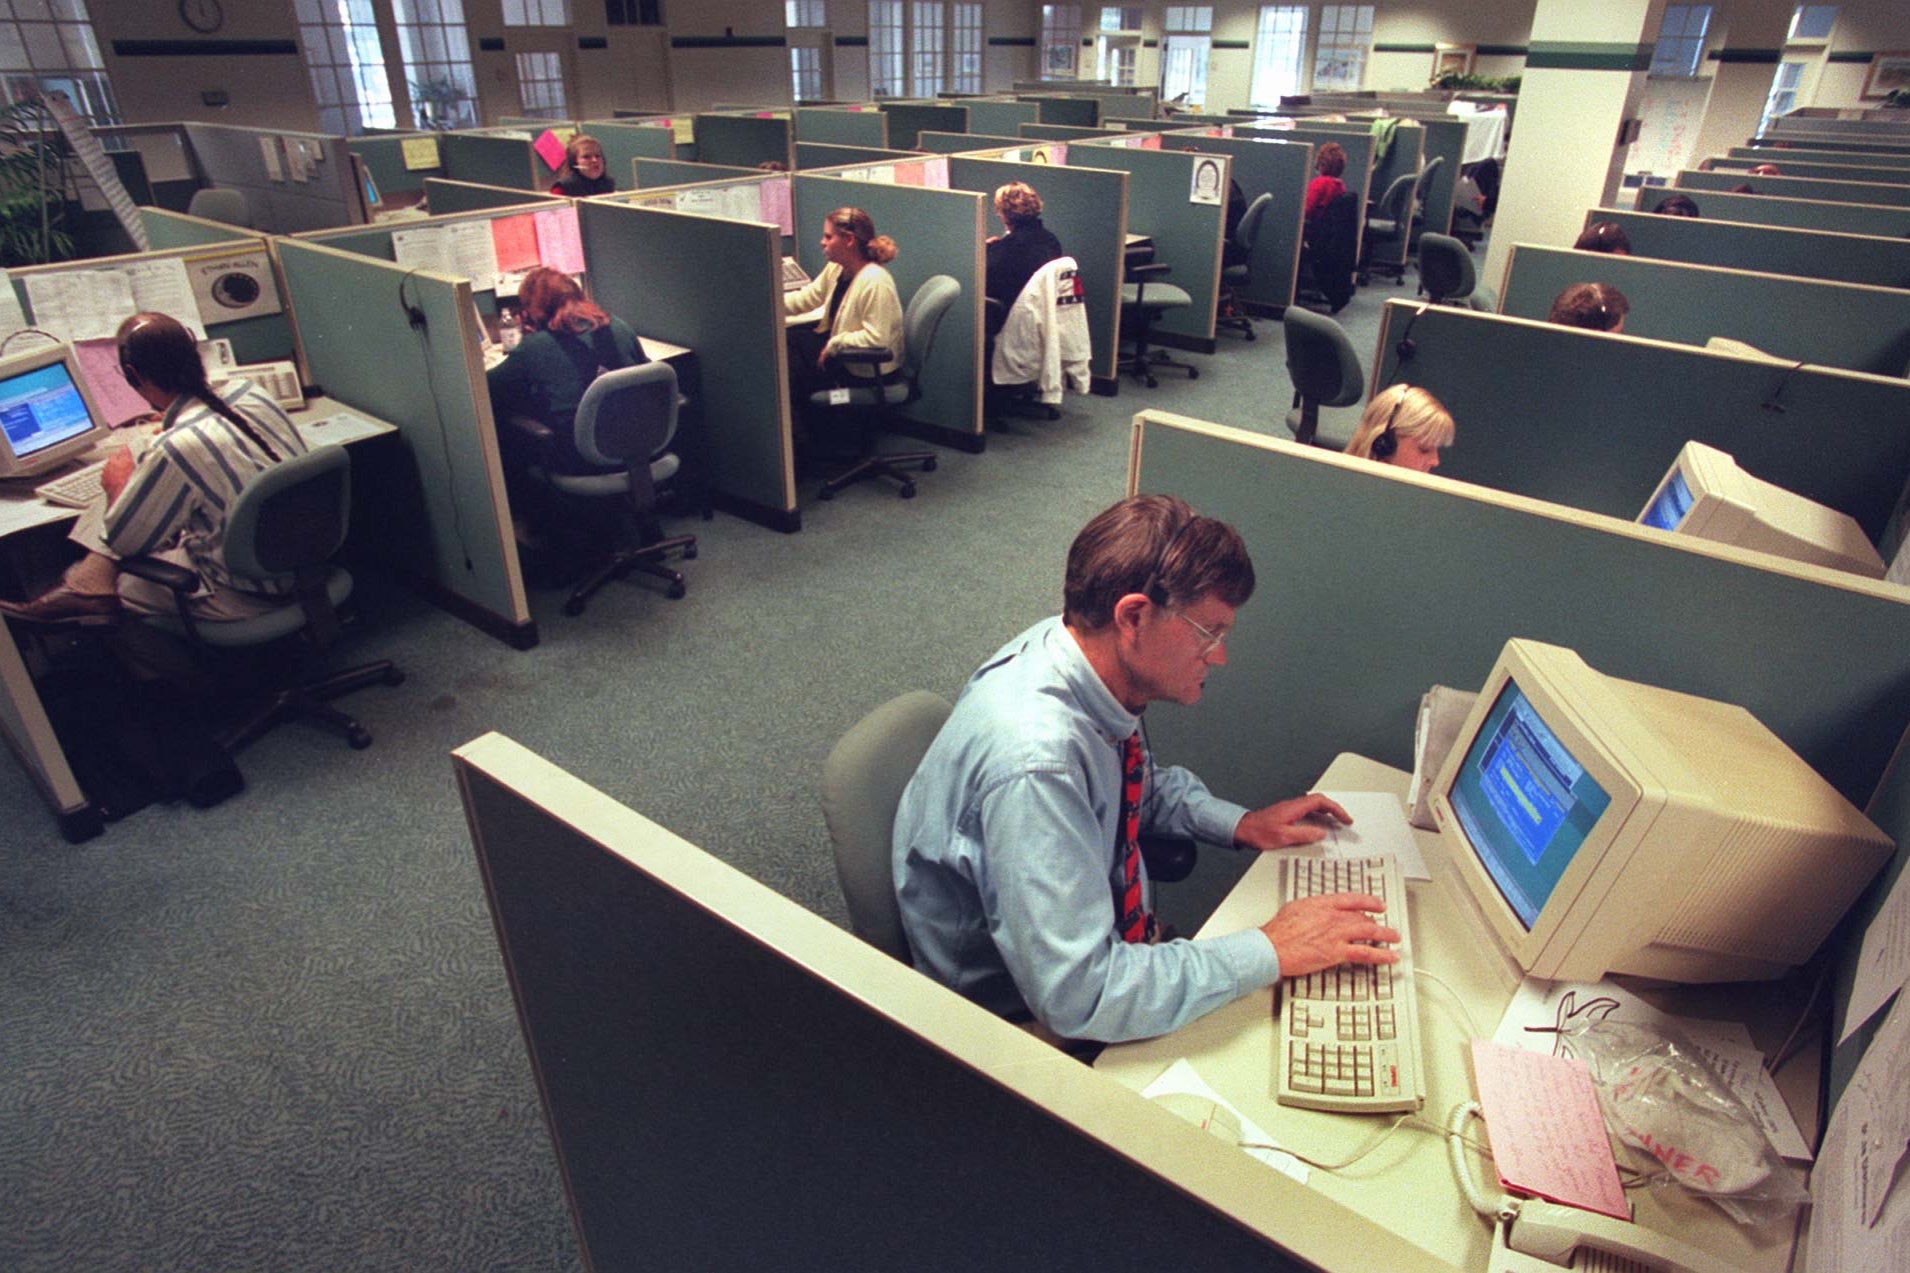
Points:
(1453, 59)
(1888, 73)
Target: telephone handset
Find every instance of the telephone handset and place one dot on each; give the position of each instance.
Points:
(1530, 1236)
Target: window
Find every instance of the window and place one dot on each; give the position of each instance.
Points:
(1060, 39)
(347, 65)
(928, 50)
(885, 48)
(805, 74)
(1783, 96)
(1279, 45)
(537, 13)
(965, 70)
(632, 13)
(1346, 38)
(1184, 54)
(806, 20)
(437, 57)
(50, 49)
(1812, 22)
(804, 13)
(1117, 49)
(1120, 19)
(1681, 40)
(540, 85)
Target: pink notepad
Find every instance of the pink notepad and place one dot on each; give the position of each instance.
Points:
(1548, 1136)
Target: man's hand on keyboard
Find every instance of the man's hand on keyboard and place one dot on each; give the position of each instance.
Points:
(1281, 826)
(118, 470)
(1318, 932)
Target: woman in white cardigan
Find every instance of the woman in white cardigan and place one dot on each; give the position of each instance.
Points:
(859, 308)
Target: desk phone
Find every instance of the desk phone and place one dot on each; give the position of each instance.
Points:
(279, 380)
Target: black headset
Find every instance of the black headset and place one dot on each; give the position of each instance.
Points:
(1388, 441)
(1153, 589)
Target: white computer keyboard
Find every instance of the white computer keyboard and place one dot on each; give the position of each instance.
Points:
(1349, 1036)
(76, 489)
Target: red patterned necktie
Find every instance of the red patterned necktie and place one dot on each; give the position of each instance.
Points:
(1131, 918)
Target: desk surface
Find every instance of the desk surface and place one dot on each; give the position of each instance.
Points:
(1407, 1184)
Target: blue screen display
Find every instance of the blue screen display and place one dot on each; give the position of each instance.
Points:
(1671, 505)
(41, 408)
(1524, 802)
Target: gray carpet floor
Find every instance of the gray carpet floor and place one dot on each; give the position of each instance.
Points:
(277, 1035)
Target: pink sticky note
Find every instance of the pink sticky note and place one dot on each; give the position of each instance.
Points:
(775, 203)
(559, 244)
(550, 150)
(1151, 142)
(515, 239)
(1548, 1136)
(910, 174)
(99, 364)
(935, 173)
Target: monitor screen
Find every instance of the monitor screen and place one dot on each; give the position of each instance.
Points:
(1525, 803)
(42, 408)
(1670, 505)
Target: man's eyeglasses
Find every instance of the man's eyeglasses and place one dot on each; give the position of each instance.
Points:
(1213, 640)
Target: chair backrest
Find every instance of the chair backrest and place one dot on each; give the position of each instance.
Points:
(290, 518)
(925, 313)
(1249, 231)
(626, 418)
(862, 783)
(1320, 359)
(1445, 268)
(1398, 197)
(216, 203)
(1426, 175)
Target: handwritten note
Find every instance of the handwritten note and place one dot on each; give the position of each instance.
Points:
(935, 173)
(99, 364)
(515, 239)
(774, 195)
(559, 243)
(1548, 1137)
(420, 153)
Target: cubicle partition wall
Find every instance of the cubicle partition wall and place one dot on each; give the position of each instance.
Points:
(1843, 258)
(1070, 112)
(399, 163)
(1403, 158)
(492, 161)
(1000, 118)
(1798, 214)
(812, 155)
(177, 230)
(647, 174)
(1844, 169)
(1279, 168)
(1447, 572)
(1890, 194)
(732, 1082)
(1592, 420)
(1186, 235)
(961, 143)
(1765, 155)
(836, 126)
(444, 519)
(743, 141)
(623, 143)
(1087, 210)
(1065, 132)
(1357, 145)
(907, 119)
(449, 197)
(937, 232)
(1776, 145)
(1845, 325)
(313, 188)
(715, 286)
(1134, 106)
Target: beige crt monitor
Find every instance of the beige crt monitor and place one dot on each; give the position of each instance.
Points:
(1705, 493)
(1604, 826)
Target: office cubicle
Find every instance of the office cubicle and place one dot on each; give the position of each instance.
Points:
(1404, 157)
(811, 155)
(166, 229)
(1846, 169)
(1801, 214)
(487, 160)
(962, 143)
(648, 174)
(999, 118)
(1069, 112)
(447, 198)
(1891, 194)
(1064, 132)
(1846, 325)
(1358, 146)
(623, 143)
(744, 141)
(399, 163)
(908, 119)
(1592, 420)
(1282, 169)
(1187, 236)
(1845, 258)
(842, 126)
(1765, 155)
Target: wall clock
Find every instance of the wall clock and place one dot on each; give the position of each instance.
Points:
(203, 16)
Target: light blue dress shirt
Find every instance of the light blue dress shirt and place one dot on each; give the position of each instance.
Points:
(1005, 861)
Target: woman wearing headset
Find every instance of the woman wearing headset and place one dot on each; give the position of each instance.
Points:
(1404, 426)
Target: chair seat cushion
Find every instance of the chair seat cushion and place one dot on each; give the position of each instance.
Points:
(258, 630)
(892, 395)
(1377, 226)
(1335, 428)
(1159, 295)
(1236, 274)
(592, 485)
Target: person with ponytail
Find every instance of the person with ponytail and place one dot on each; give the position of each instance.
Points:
(567, 342)
(172, 501)
(860, 308)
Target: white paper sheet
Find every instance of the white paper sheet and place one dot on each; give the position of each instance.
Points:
(161, 285)
(1182, 1077)
(1883, 961)
(1878, 1116)
(1838, 1237)
(1379, 826)
(14, 319)
(424, 248)
(80, 304)
(473, 253)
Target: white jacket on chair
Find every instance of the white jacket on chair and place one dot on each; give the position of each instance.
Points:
(1044, 341)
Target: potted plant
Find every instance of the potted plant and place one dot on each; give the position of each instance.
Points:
(440, 102)
(32, 188)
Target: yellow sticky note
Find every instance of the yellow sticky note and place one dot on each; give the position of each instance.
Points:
(420, 152)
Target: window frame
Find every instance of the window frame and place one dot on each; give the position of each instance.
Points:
(1331, 39)
(1688, 47)
(1293, 59)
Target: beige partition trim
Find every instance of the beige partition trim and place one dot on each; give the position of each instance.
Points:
(24, 724)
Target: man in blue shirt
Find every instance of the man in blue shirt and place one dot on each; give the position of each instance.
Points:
(1012, 867)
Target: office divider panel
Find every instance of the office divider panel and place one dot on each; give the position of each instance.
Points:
(1593, 421)
(177, 230)
(1801, 214)
(532, 124)
(1379, 584)
(936, 232)
(1784, 127)
(1891, 195)
(732, 1082)
(229, 156)
(446, 522)
(1064, 132)
(651, 173)
(715, 286)
(446, 197)
(1186, 235)
(1000, 118)
(492, 161)
(1406, 155)
(1845, 258)
(1443, 139)
(623, 143)
(810, 154)
(1798, 319)
(1765, 155)
(1087, 210)
(958, 143)
(1129, 106)
(841, 127)
(384, 159)
(742, 141)
(1801, 144)
(1357, 145)
(1848, 169)
(1070, 112)
(906, 119)
(1283, 170)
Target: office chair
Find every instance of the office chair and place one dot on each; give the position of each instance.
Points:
(625, 422)
(216, 203)
(1446, 273)
(1041, 349)
(288, 520)
(1325, 372)
(996, 396)
(1329, 254)
(1420, 187)
(1387, 223)
(923, 319)
(1235, 279)
(862, 782)
(1142, 301)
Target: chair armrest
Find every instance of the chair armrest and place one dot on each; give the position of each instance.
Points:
(172, 577)
(873, 357)
(1153, 269)
(535, 432)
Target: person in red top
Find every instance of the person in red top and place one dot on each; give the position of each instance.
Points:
(1325, 188)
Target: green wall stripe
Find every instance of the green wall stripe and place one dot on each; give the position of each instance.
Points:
(1402, 48)
(727, 42)
(1231, 44)
(1760, 56)
(1011, 41)
(1503, 50)
(1852, 55)
(1572, 55)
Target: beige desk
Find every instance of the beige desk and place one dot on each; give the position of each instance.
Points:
(23, 718)
(1407, 1185)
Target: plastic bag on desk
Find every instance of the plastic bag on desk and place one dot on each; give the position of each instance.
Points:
(1662, 1099)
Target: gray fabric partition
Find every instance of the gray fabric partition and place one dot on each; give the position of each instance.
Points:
(1766, 155)
(225, 155)
(1892, 195)
(446, 197)
(166, 229)
(1000, 118)
(958, 143)
(907, 119)
(1070, 112)
(1830, 143)
(1186, 235)
(1849, 169)
(1045, 131)
(1850, 326)
(1800, 214)
(384, 159)
(839, 127)
(492, 161)
(651, 173)
(1279, 168)
(624, 143)
(742, 141)
(1845, 258)
(818, 155)
(1592, 421)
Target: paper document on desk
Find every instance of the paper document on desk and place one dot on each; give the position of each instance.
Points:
(1864, 1143)
(338, 428)
(1379, 826)
(1181, 1077)
(1548, 1136)
(1883, 961)
(1539, 1008)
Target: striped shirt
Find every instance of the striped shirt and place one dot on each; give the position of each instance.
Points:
(183, 487)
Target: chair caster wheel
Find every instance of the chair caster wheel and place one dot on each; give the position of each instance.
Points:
(908, 490)
(396, 676)
(928, 465)
(1250, 335)
(689, 552)
(825, 494)
(359, 739)
(1151, 383)
(1193, 373)
(676, 592)
(573, 608)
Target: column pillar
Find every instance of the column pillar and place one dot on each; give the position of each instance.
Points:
(1584, 76)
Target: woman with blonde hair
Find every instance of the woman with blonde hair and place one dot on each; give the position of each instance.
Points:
(860, 308)
(1404, 426)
